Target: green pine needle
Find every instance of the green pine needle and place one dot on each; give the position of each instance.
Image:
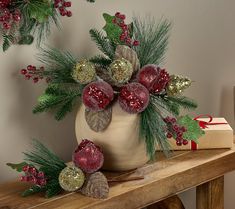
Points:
(101, 61)
(47, 162)
(167, 106)
(59, 98)
(59, 65)
(152, 130)
(42, 156)
(33, 190)
(183, 102)
(153, 37)
(103, 43)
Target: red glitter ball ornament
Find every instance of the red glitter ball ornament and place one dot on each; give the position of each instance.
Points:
(97, 95)
(88, 156)
(133, 98)
(4, 3)
(153, 78)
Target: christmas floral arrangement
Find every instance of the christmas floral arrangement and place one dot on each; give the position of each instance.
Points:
(46, 172)
(22, 21)
(128, 73)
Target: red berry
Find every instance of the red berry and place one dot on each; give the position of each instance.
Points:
(29, 67)
(69, 14)
(122, 37)
(26, 168)
(6, 26)
(185, 142)
(173, 120)
(27, 76)
(117, 14)
(23, 178)
(183, 129)
(63, 13)
(136, 43)
(34, 180)
(169, 135)
(33, 171)
(67, 4)
(35, 79)
(178, 143)
(23, 71)
(123, 17)
(40, 174)
(42, 182)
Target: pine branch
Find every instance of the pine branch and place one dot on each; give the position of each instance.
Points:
(33, 190)
(183, 102)
(59, 65)
(43, 157)
(50, 164)
(153, 38)
(103, 43)
(55, 97)
(101, 61)
(152, 130)
(166, 105)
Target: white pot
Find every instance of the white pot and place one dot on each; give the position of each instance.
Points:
(123, 150)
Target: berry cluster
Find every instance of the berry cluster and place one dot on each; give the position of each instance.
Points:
(8, 18)
(125, 36)
(31, 72)
(33, 175)
(176, 131)
(61, 6)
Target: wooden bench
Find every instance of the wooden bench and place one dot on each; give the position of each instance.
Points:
(203, 169)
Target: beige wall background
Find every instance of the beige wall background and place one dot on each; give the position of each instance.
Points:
(202, 46)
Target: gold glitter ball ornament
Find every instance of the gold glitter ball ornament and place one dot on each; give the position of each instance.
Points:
(177, 85)
(84, 72)
(121, 70)
(71, 178)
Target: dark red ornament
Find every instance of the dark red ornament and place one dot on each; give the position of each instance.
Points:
(97, 95)
(88, 156)
(153, 78)
(133, 98)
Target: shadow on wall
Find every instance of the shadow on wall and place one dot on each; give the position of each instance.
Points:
(227, 104)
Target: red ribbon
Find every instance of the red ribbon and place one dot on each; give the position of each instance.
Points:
(203, 125)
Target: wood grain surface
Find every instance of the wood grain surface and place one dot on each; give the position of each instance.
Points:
(163, 178)
(210, 195)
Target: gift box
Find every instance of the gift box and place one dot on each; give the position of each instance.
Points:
(218, 134)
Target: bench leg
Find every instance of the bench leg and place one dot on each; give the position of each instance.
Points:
(211, 194)
(173, 202)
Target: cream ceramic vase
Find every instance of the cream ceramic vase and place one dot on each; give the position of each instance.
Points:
(123, 150)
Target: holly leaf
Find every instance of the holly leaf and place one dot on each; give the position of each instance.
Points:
(194, 131)
(112, 30)
(18, 167)
(40, 11)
